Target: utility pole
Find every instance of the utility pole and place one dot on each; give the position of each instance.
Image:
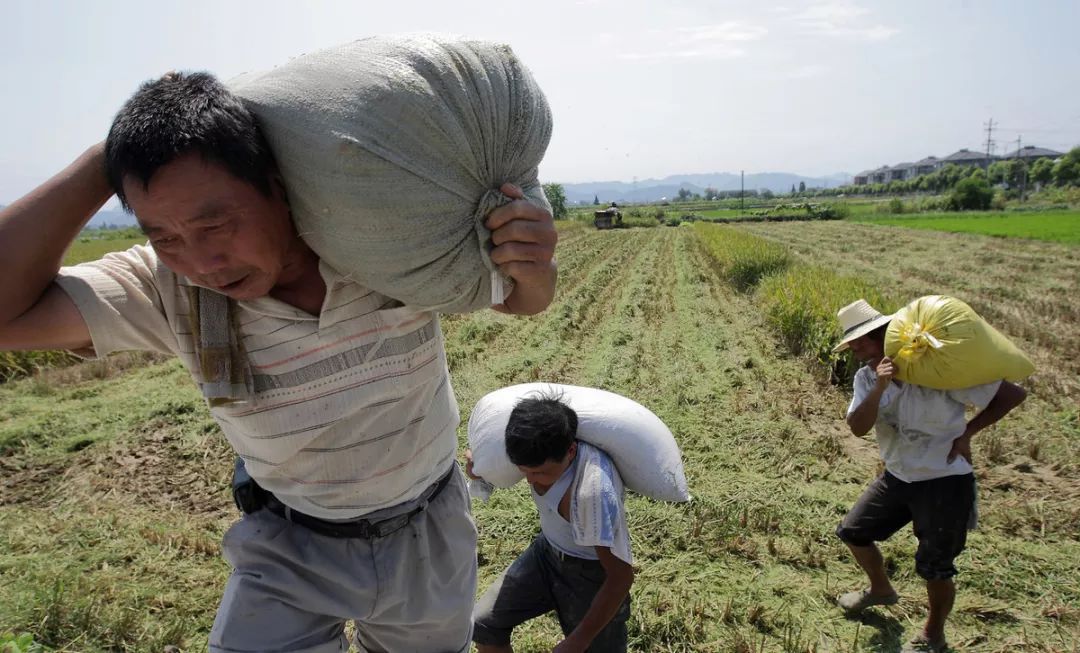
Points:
(742, 188)
(1023, 169)
(989, 144)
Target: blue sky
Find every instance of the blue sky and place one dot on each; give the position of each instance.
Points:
(638, 89)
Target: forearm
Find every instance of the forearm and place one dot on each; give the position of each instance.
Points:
(1009, 397)
(533, 295)
(37, 229)
(862, 419)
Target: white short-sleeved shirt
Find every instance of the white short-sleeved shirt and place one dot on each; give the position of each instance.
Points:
(353, 410)
(916, 425)
(555, 527)
(597, 511)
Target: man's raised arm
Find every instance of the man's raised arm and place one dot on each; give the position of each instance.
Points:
(35, 232)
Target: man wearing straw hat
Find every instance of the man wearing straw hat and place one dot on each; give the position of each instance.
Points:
(925, 442)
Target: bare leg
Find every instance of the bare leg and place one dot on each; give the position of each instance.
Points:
(869, 558)
(941, 594)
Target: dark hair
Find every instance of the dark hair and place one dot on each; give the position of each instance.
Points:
(541, 429)
(878, 334)
(181, 113)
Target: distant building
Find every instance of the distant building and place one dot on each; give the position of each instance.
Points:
(926, 166)
(966, 157)
(900, 172)
(1031, 153)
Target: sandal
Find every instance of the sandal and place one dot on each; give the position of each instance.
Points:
(920, 644)
(860, 600)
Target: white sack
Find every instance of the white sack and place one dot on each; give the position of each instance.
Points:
(643, 448)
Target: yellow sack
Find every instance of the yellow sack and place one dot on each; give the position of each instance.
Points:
(940, 342)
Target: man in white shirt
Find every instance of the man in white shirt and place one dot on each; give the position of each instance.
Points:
(587, 586)
(925, 442)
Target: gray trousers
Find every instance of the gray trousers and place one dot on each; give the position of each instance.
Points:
(292, 590)
(539, 581)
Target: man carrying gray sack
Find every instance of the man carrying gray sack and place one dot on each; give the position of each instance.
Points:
(337, 397)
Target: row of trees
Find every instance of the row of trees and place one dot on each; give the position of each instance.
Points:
(713, 194)
(556, 191)
(710, 194)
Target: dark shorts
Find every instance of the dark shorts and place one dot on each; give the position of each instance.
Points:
(539, 581)
(938, 510)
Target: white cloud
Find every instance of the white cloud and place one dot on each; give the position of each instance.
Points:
(711, 52)
(719, 41)
(832, 12)
(807, 71)
(841, 19)
(731, 30)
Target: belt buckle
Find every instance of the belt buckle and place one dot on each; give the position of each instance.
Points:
(387, 526)
(366, 528)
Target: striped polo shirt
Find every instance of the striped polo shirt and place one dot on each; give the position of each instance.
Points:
(353, 410)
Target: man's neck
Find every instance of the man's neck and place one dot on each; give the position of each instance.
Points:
(301, 284)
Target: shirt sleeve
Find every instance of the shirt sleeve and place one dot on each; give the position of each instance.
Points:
(861, 387)
(978, 396)
(120, 301)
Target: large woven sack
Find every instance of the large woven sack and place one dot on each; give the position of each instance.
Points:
(392, 150)
(642, 447)
(940, 342)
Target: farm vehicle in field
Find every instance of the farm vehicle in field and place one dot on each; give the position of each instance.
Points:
(608, 218)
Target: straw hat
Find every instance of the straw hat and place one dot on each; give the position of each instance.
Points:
(858, 319)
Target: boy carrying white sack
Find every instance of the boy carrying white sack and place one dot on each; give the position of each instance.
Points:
(580, 563)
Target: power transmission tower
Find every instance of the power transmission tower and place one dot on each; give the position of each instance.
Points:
(989, 143)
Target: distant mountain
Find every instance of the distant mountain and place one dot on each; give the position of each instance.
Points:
(109, 218)
(112, 218)
(653, 190)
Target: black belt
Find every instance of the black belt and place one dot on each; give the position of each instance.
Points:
(566, 557)
(362, 528)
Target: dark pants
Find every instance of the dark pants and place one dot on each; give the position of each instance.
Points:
(542, 580)
(938, 510)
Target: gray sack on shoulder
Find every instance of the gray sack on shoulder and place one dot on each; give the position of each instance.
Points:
(392, 150)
